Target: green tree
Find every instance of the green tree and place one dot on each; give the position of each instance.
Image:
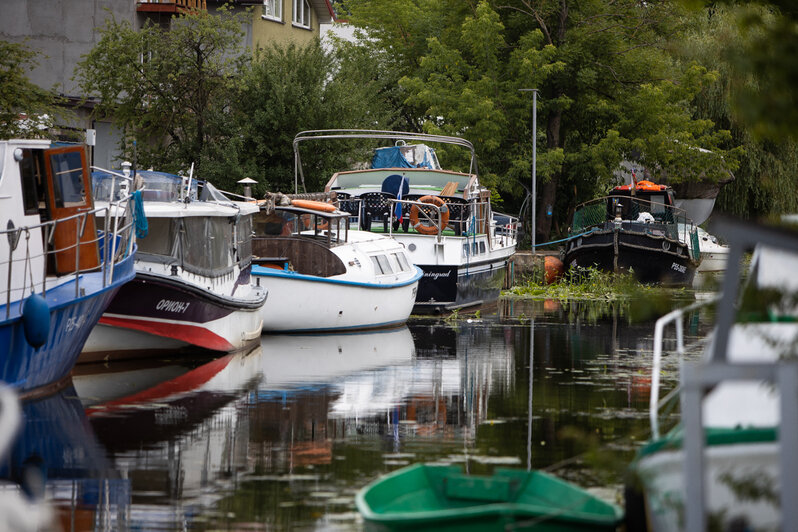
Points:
(171, 89)
(768, 173)
(19, 97)
(609, 89)
(763, 67)
(293, 88)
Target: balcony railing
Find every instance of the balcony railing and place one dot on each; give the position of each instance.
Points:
(169, 6)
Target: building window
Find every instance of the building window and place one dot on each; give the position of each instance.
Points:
(273, 10)
(302, 13)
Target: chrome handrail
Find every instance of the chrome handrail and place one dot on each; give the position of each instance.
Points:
(108, 260)
(674, 316)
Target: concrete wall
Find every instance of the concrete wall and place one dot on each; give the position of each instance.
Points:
(61, 31)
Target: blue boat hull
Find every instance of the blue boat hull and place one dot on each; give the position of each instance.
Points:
(37, 371)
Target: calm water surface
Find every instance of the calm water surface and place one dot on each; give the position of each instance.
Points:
(282, 437)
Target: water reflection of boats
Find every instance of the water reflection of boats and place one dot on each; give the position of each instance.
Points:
(178, 438)
(290, 361)
(57, 456)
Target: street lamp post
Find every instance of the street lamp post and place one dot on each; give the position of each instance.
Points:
(534, 160)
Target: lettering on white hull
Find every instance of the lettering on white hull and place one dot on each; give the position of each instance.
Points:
(172, 306)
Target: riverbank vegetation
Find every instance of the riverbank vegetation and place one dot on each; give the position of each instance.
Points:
(592, 293)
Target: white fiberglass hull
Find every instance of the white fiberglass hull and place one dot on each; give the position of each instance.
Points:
(742, 482)
(317, 304)
(154, 313)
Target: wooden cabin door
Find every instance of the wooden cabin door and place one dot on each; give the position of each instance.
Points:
(69, 194)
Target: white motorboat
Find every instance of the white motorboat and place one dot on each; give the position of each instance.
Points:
(321, 276)
(192, 284)
(442, 218)
(730, 460)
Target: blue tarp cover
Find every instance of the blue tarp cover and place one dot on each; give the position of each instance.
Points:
(391, 157)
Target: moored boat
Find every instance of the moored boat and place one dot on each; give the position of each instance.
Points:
(439, 497)
(636, 228)
(729, 461)
(443, 218)
(192, 286)
(62, 260)
(323, 277)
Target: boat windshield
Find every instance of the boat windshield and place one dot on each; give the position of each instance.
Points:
(199, 244)
(302, 223)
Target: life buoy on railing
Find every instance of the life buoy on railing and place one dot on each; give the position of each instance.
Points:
(429, 229)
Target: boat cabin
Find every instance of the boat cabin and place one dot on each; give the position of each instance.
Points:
(301, 239)
(191, 224)
(50, 186)
(645, 202)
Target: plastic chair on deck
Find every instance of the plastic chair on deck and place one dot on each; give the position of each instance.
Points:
(458, 213)
(375, 207)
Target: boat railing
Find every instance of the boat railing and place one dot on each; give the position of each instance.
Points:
(375, 134)
(698, 379)
(114, 240)
(676, 317)
(636, 215)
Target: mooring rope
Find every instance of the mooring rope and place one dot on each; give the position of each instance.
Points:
(566, 239)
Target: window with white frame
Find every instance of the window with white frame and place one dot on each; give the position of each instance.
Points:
(301, 13)
(273, 9)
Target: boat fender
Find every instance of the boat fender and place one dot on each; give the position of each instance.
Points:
(36, 320)
(429, 229)
(314, 205)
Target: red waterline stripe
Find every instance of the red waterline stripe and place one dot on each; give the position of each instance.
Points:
(191, 334)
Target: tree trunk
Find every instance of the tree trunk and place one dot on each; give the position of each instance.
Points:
(549, 190)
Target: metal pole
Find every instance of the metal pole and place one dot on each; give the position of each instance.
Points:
(534, 160)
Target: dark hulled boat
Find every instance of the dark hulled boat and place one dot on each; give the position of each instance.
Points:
(636, 228)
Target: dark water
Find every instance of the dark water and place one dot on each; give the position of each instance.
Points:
(284, 436)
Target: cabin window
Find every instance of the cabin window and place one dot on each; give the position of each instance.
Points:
(381, 264)
(206, 245)
(31, 167)
(482, 247)
(402, 260)
(244, 239)
(68, 179)
(302, 13)
(160, 237)
(465, 250)
(273, 10)
(474, 248)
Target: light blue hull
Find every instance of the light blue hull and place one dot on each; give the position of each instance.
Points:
(34, 371)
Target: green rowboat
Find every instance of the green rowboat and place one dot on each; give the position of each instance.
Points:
(437, 497)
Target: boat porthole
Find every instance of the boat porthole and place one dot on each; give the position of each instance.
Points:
(666, 245)
(411, 247)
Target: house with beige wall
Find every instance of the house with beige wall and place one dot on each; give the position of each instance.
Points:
(289, 20)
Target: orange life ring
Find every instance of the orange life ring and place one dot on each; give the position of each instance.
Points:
(314, 205)
(429, 229)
